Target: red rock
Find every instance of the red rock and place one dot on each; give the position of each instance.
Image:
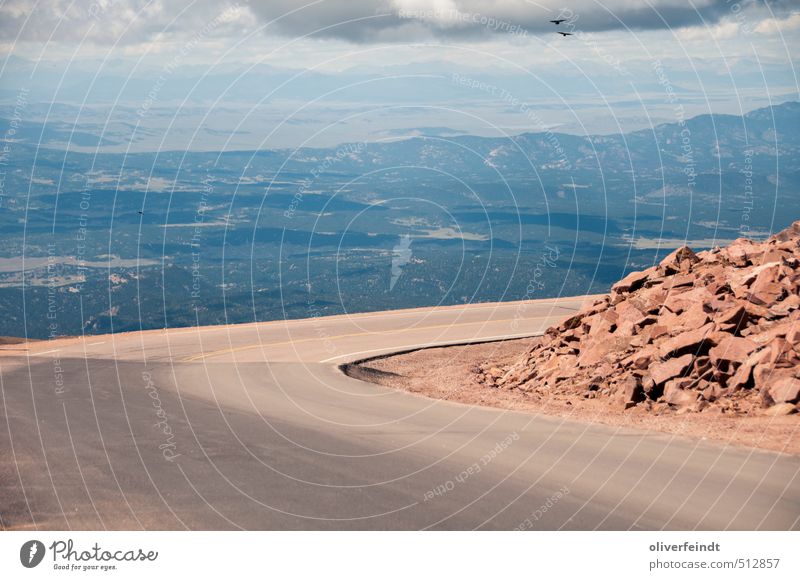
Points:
(692, 342)
(640, 359)
(790, 234)
(630, 317)
(711, 391)
(762, 373)
(631, 282)
(630, 391)
(781, 354)
(695, 317)
(738, 252)
(778, 255)
(594, 353)
(702, 366)
(732, 349)
(495, 372)
(736, 315)
(694, 295)
(603, 324)
(754, 312)
(766, 334)
(721, 328)
(709, 256)
(652, 299)
(785, 389)
(679, 281)
(573, 321)
(595, 307)
(653, 332)
(767, 296)
(674, 367)
(780, 410)
(720, 287)
(669, 319)
(785, 306)
(676, 393)
(676, 260)
(742, 378)
(763, 273)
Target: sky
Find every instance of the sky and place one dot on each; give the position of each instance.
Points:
(720, 55)
(58, 29)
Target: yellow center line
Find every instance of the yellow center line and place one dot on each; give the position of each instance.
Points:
(351, 335)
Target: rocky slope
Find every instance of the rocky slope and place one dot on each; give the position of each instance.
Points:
(717, 331)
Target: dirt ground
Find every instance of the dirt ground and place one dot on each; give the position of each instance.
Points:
(449, 373)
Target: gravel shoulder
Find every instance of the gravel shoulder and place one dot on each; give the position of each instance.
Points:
(451, 374)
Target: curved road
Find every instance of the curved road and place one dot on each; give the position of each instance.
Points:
(254, 427)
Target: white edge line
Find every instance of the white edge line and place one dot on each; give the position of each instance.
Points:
(429, 344)
(45, 352)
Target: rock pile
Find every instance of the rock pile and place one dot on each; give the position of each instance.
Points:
(716, 331)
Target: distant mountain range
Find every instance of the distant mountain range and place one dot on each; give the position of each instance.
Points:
(711, 143)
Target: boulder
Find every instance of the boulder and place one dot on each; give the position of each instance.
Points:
(768, 272)
(790, 234)
(711, 391)
(692, 342)
(629, 318)
(785, 389)
(641, 358)
(680, 281)
(594, 353)
(781, 354)
(785, 306)
(767, 296)
(630, 391)
(738, 253)
(735, 315)
(676, 393)
(780, 410)
(674, 367)
(572, 322)
(732, 349)
(652, 299)
(695, 317)
(675, 262)
(631, 282)
(653, 332)
(742, 378)
(762, 375)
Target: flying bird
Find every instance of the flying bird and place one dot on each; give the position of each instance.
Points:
(559, 21)
(141, 213)
(565, 33)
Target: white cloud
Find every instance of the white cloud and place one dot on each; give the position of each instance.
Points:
(772, 26)
(721, 31)
(131, 21)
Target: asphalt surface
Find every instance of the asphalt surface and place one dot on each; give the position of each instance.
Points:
(254, 427)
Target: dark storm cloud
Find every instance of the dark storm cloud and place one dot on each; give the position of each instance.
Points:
(392, 20)
(132, 21)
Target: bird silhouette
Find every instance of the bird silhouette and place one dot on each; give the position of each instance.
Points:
(565, 33)
(559, 21)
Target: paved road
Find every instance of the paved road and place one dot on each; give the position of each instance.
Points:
(254, 427)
